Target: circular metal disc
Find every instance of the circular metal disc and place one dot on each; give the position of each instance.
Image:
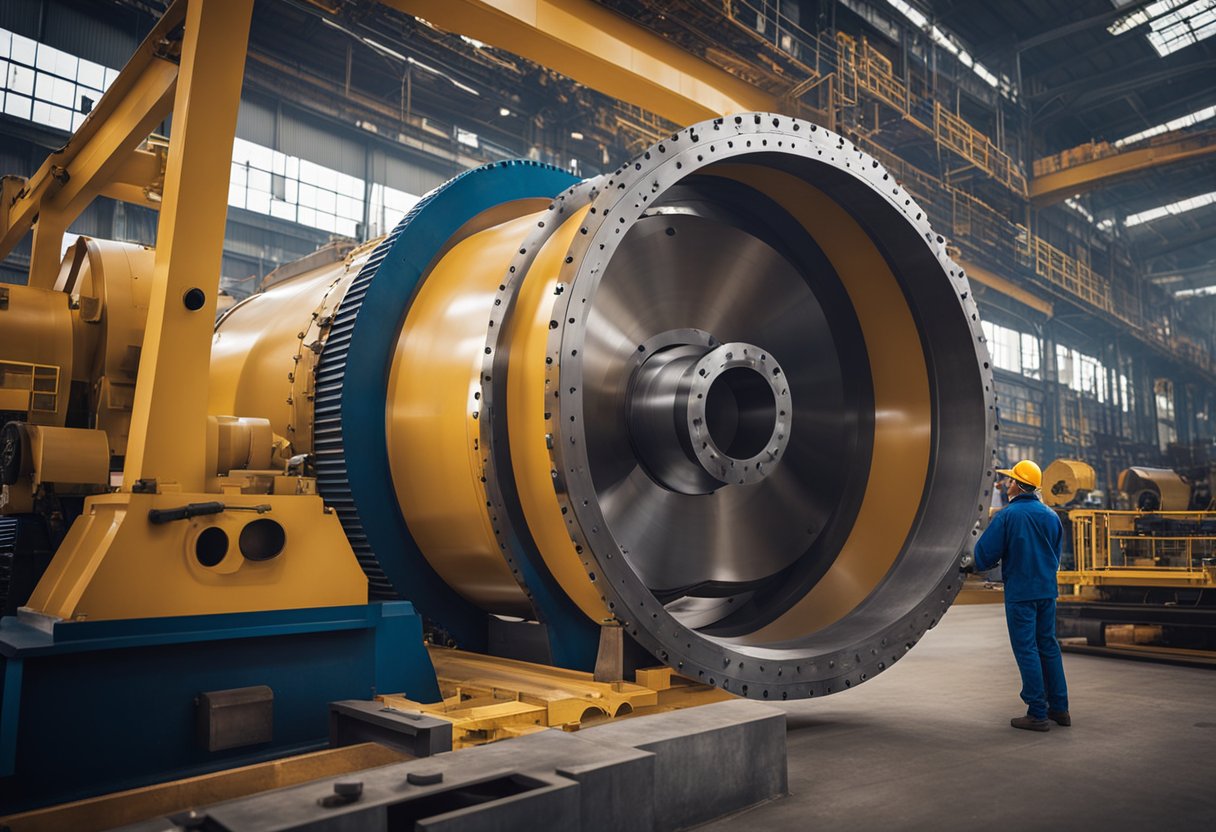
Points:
(712, 230)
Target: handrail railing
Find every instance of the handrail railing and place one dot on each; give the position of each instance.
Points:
(1178, 545)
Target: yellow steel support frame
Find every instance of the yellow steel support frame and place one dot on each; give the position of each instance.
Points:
(600, 49)
(101, 153)
(1087, 176)
(114, 562)
(1109, 552)
(170, 410)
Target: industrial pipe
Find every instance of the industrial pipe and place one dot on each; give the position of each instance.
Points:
(733, 396)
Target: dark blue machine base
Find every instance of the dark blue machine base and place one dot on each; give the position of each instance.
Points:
(98, 706)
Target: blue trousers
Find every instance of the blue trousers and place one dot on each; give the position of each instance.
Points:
(1032, 634)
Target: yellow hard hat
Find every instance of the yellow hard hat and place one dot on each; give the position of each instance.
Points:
(1025, 472)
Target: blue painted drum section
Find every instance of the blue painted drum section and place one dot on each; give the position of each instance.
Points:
(352, 385)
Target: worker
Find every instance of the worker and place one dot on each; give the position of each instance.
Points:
(1024, 537)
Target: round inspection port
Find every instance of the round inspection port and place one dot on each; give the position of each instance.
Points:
(262, 539)
(193, 299)
(211, 546)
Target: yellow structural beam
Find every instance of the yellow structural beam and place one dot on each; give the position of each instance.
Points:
(487, 698)
(1098, 173)
(74, 175)
(139, 179)
(168, 420)
(997, 283)
(600, 49)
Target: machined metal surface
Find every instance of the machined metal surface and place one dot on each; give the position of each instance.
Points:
(882, 441)
(733, 395)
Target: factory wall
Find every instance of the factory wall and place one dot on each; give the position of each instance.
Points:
(1065, 392)
(256, 240)
(300, 180)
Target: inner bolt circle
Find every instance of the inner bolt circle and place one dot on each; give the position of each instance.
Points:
(703, 416)
(738, 414)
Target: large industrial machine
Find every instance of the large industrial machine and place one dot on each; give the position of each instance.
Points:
(727, 407)
(1140, 582)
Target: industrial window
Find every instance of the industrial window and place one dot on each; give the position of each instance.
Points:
(1017, 352)
(300, 191)
(46, 85)
(951, 44)
(1167, 431)
(1030, 356)
(1020, 404)
(1083, 373)
(294, 189)
(1126, 394)
(388, 206)
(1013, 451)
(1079, 208)
(51, 87)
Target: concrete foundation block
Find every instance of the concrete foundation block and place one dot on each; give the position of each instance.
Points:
(709, 761)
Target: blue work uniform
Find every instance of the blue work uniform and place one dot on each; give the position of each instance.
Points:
(1024, 537)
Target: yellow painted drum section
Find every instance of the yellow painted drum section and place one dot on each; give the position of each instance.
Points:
(903, 410)
(261, 363)
(432, 413)
(527, 339)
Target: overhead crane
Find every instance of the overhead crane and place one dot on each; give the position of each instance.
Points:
(600, 49)
(1097, 166)
(699, 406)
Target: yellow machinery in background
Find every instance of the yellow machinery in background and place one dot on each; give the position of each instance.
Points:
(694, 413)
(1067, 481)
(1143, 582)
(1163, 489)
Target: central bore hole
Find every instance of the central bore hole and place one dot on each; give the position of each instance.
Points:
(740, 412)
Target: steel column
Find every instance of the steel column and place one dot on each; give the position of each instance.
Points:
(168, 418)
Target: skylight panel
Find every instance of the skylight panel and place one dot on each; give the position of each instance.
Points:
(1202, 291)
(1079, 208)
(952, 45)
(1179, 207)
(1173, 24)
(918, 19)
(1179, 123)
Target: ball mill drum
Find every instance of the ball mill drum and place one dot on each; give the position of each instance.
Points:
(733, 396)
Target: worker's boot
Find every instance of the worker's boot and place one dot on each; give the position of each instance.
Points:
(1060, 718)
(1028, 723)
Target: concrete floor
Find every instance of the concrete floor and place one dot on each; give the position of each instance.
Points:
(927, 745)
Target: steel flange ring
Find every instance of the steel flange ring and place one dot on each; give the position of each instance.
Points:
(773, 232)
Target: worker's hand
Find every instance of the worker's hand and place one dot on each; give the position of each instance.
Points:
(967, 564)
